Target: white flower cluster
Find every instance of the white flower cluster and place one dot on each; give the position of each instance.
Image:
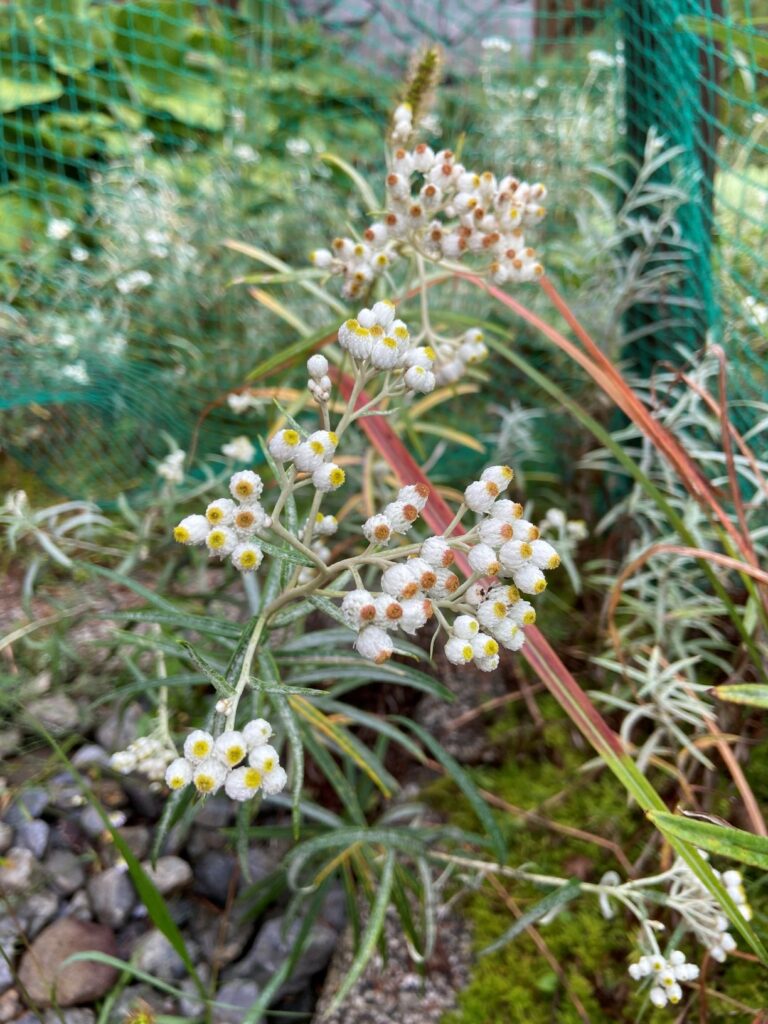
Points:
(377, 340)
(147, 754)
(505, 555)
(171, 468)
(438, 207)
(210, 763)
(231, 526)
(665, 975)
(313, 455)
(703, 913)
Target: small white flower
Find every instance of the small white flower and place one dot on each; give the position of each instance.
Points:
(209, 776)
(79, 254)
(133, 281)
(414, 494)
(246, 485)
(500, 475)
(275, 782)
(466, 627)
(221, 512)
(317, 366)
(171, 468)
(528, 579)
(243, 783)
(459, 651)
(658, 997)
(483, 559)
(401, 516)
(230, 748)
(513, 555)
(247, 557)
(425, 573)
(257, 732)
(123, 761)
(418, 379)
(389, 612)
(491, 613)
(399, 581)
(321, 258)
(480, 495)
(385, 353)
(495, 532)
(446, 583)
(325, 526)
(377, 529)
(505, 510)
(191, 530)
(384, 313)
(374, 644)
(198, 746)
(438, 552)
(240, 449)
(221, 541)
(59, 228)
(249, 518)
(178, 774)
(416, 612)
(358, 608)
(328, 477)
(282, 445)
(264, 758)
(76, 372)
(238, 403)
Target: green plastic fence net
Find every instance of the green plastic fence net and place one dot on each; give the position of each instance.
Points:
(139, 136)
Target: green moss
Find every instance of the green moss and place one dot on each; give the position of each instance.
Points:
(517, 984)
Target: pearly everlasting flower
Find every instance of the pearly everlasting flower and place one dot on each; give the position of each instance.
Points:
(282, 445)
(358, 608)
(325, 526)
(425, 573)
(466, 627)
(246, 485)
(230, 748)
(664, 975)
(544, 555)
(437, 552)
(240, 449)
(483, 559)
(275, 782)
(389, 612)
(191, 530)
(178, 774)
(505, 510)
(401, 516)
(256, 732)
(418, 379)
(417, 611)
(221, 541)
(221, 512)
(495, 532)
(399, 581)
(250, 518)
(238, 403)
(491, 613)
(198, 746)
(513, 555)
(377, 529)
(247, 557)
(264, 758)
(528, 579)
(243, 783)
(480, 495)
(414, 494)
(209, 776)
(501, 476)
(171, 468)
(446, 583)
(374, 644)
(328, 477)
(59, 228)
(459, 651)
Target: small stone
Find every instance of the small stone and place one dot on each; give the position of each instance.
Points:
(155, 955)
(10, 742)
(6, 836)
(112, 896)
(37, 911)
(169, 874)
(28, 805)
(65, 871)
(216, 812)
(137, 838)
(18, 870)
(91, 822)
(89, 756)
(273, 946)
(10, 1004)
(233, 1000)
(34, 836)
(120, 728)
(222, 937)
(58, 714)
(213, 875)
(79, 1015)
(65, 792)
(79, 907)
(44, 979)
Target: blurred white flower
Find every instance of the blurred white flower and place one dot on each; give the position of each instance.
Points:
(240, 449)
(58, 228)
(76, 372)
(497, 43)
(245, 153)
(64, 339)
(171, 468)
(132, 281)
(79, 253)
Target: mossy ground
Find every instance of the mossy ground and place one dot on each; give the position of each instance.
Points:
(545, 772)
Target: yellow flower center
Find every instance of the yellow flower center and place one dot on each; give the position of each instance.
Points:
(268, 764)
(319, 517)
(244, 519)
(351, 325)
(248, 559)
(430, 353)
(382, 259)
(216, 539)
(333, 438)
(466, 652)
(376, 331)
(235, 755)
(337, 477)
(553, 562)
(401, 333)
(214, 515)
(252, 778)
(243, 489)
(181, 534)
(506, 472)
(201, 748)
(541, 585)
(176, 782)
(381, 532)
(490, 647)
(204, 783)
(529, 618)
(317, 447)
(499, 609)
(389, 342)
(525, 550)
(291, 437)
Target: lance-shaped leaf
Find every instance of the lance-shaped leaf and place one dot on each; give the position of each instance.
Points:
(723, 840)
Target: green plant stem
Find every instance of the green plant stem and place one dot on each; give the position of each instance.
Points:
(245, 670)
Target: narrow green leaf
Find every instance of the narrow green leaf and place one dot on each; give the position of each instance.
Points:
(465, 784)
(269, 669)
(724, 840)
(285, 553)
(552, 901)
(753, 694)
(199, 623)
(373, 928)
(219, 682)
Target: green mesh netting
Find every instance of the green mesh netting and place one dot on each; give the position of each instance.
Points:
(137, 137)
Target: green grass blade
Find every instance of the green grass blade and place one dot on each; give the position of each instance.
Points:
(552, 901)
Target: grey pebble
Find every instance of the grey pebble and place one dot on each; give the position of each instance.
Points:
(37, 911)
(169, 874)
(79, 907)
(237, 996)
(213, 874)
(27, 805)
(112, 896)
(154, 954)
(18, 870)
(91, 822)
(65, 871)
(89, 756)
(34, 836)
(273, 946)
(58, 713)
